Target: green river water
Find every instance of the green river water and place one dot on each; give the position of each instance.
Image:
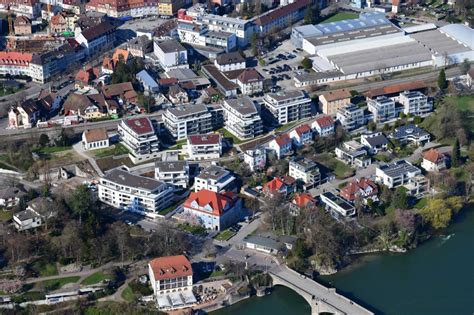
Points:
(437, 278)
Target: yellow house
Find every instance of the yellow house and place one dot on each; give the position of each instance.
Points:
(333, 100)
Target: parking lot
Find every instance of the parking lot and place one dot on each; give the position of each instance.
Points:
(146, 23)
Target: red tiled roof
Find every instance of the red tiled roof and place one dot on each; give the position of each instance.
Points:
(303, 200)
(281, 11)
(324, 121)
(350, 191)
(98, 134)
(171, 267)
(302, 129)
(212, 138)
(274, 185)
(336, 95)
(85, 75)
(15, 58)
(168, 81)
(140, 125)
(120, 53)
(433, 156)
(249, 75)
(217, 201)
(396, 88)
(283, 139)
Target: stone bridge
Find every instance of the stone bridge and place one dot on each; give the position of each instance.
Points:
(322, 300)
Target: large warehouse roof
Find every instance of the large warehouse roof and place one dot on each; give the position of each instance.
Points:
(381, 57)
(461, 32)
(439, 42)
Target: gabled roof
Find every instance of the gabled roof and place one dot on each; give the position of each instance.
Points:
(97, 31)
(433, 156)
(283, 140)
(249, 75)
(275, 185)
(114, 90)
(98, 134)
(301, 130)
(85, 75)
(281, 11)
(324, 121)
(171, 267)
(350, 191)
(336, 95)
(303, 200)
(218, 202)
(396, 88)
(229, 58)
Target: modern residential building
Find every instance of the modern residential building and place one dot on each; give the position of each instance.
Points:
(215, 178)
(256, 159)
(418, 186)
(230, 61)
(415, 103)
(301, 135)
(200, 36)
(333, 100)
(410, 134)
(353, 153)
(204, 147)
(433, 161)
(324, 126)
(287, 106)
(37, 212)
(242, 118)
(374, 142)
(213, 210)
(171, 278)
(171, 54)
(383, 108)
(338, 207)
(138, 135)
(281, 145)
(189, 119)
(139, 194)
(396, 174)
(306, 171)
(10, 196)
(351, 117)
(362, 188)
(174, 173)
(93, 139)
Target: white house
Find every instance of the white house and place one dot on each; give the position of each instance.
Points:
(374, 142)
(282, 145)
(351, 116)
(323, 125)
(175, 173)
(250, 81)
(96, 38)
(338, 207)
(353, 153)
(93, 139)
(433, 161)
(10, 196)
(256, 159)
(230, 62)
(204, 147)
(382, 108)
(213, 210)
(38, 211)
(306, 171)
(171, 54)
(396, 174)
(215, 178)
(411, 133)
(301, 135)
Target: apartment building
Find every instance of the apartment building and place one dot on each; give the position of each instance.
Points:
(337, 207)
(243, 29)
(415, 103)
(169, 8)
(215, 178)
(124, 8)
(411, 134)
(201, 36)
(333, 100)
(396, 174)
(204, 147)
(250, 81)
(170, 274)
(256, 159)
(171, 54)
(184, 120)
(134, 193)
(174, 173)
(306, 171)
(229, 62)
(242, 118)
(351, 117)
(353, 153)
(382, 108)
(324, 126)
(138, 135)
(287, 106)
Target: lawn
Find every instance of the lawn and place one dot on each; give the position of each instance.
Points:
(179, 144)
(95, 278)
(115, 150)
(54, 284)
(50, 150)
(228, 134)
(287, 126)
(224, 235)
(193, 229)
(421, 203)
(128, 294)
(464, 103)
(217, 273)
(45, 269)
(169, 209)
(339, 169)
(5, 216)
(341, 16)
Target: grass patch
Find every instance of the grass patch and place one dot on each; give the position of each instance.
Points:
(5, 216)
(29, 296)
(115, 150)
(464, 103)
(340, 16)
(217, 273)
(228, 134)
(51, 150)
(54, 284)
(179, 144)
(128, 294)
(287, 126)
(339, 169)
(169, 209)
(193, 229)
(224, 235)
(421, 203)
(45, 269)
(95, 278)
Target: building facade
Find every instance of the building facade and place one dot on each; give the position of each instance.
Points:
(242, 118)
(351, 117)
(215, 178)
(174, 173)
(334, 100)
(306, 171)
(415, 103)
(185, 120)
(171, 54)
(287, 106)
(138, 135)
(204, 147)
(382, 108)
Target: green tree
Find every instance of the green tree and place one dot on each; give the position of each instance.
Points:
(455, 154)
(465, 66)
(400, 199)
(43, 140)
(439, 212)
(417, 120)
(307, 63)
(145, 102)
(254, 44)
(81, 202)
(371, 126)
(308, 16)
(442, 83)
(244, 9)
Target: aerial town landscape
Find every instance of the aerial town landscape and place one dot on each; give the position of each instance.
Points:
(236, 157)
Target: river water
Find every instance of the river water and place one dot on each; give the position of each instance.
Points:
(437, 278)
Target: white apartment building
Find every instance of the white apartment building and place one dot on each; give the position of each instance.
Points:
(134, 193)
(200, 35)
(338, 207)
(139, 137)
(170, 274)
(204, 147)
(171, 54)
(256, 159)
(250, 81)
(242, 118)
(382, 108)
(351, 117)
(396, 174)
(287, 106)
(216, 179)
(415, 103)
(230, 61)
(243, 29)
(353, 153)
(175, 173)
(184, 120)
(306, 171)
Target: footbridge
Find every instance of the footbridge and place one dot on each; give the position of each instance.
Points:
(322, 300)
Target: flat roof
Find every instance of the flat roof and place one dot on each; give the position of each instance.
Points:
(439, 42)
(187, 109)
(171, 45)
(171, 166)
(398, 168)
(243, 105)
(338, 200)
(286, 95)
(124, 178)
(213, 172)
(263, 241)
